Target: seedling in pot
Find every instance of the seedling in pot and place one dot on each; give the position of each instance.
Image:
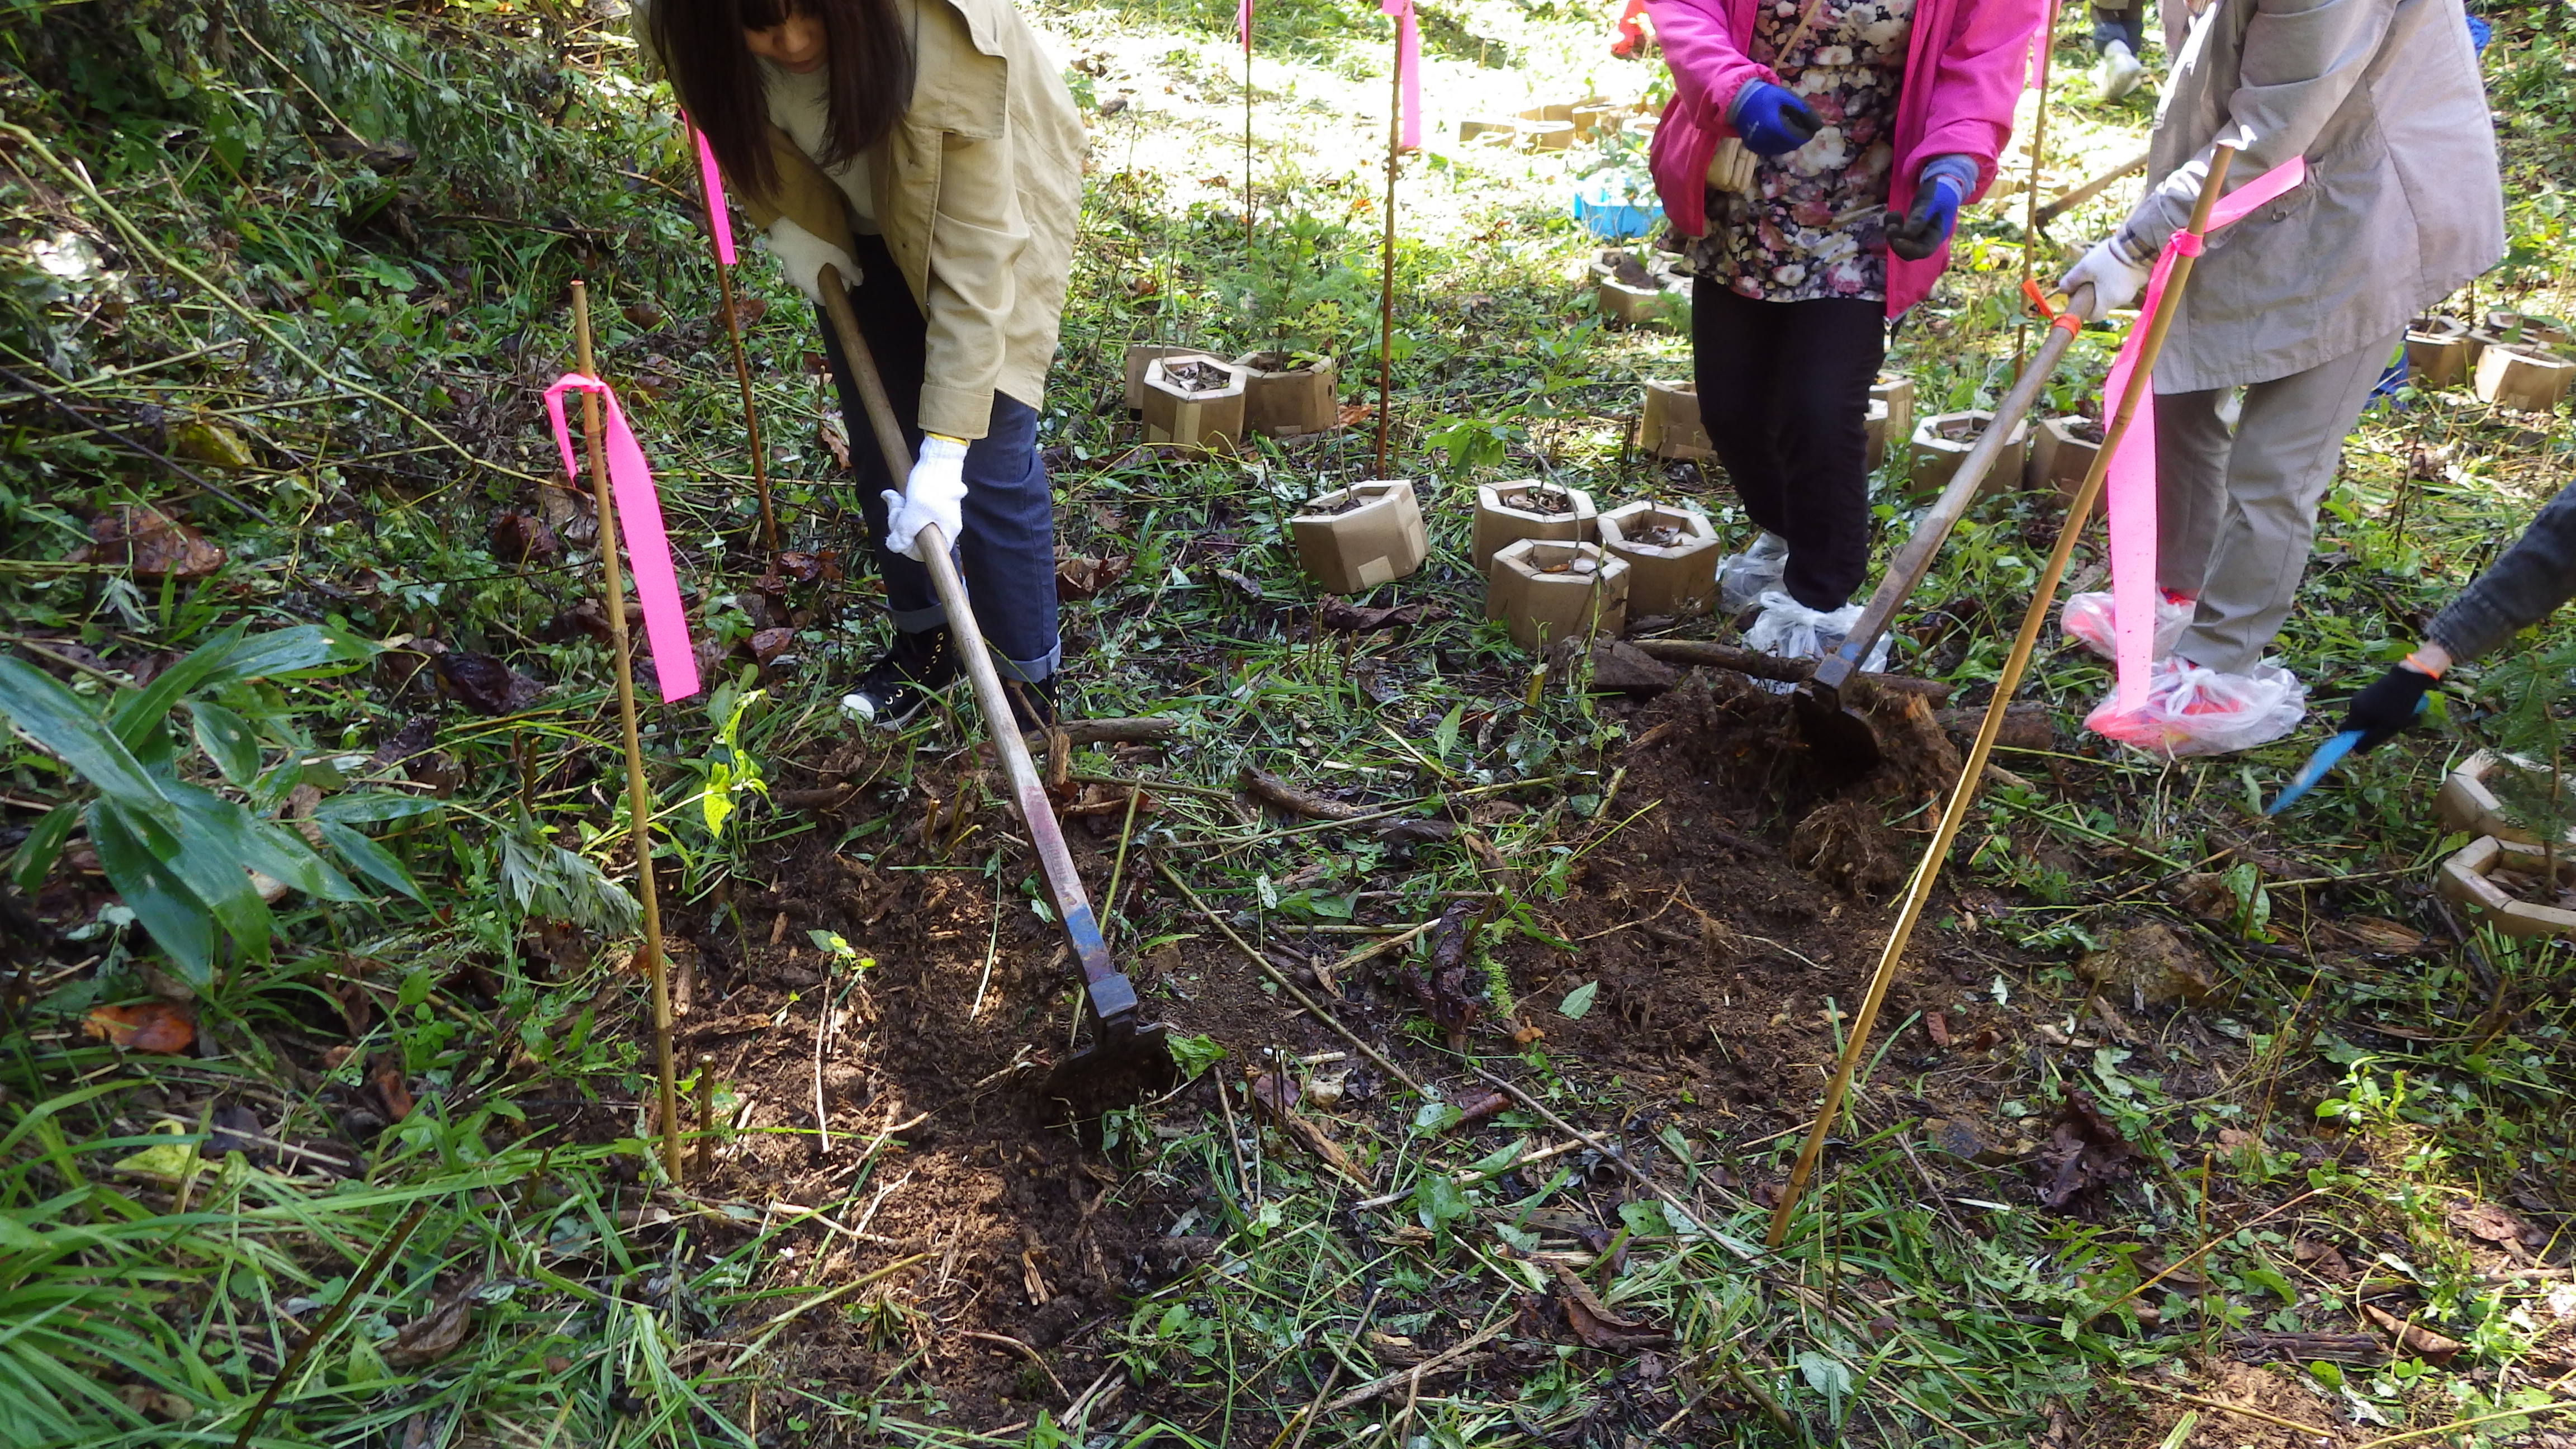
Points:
(1671, 553)
(1193, 400)
(1944, 439)
(1546, 590)
(1506, 513)
(1289, 394)
(1353, 539)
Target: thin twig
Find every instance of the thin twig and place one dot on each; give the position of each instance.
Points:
(358, 1288)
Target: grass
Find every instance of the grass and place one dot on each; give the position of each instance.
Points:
(248, 276)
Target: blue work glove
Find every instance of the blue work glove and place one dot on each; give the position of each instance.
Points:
(1771, 119)
(1939, 187)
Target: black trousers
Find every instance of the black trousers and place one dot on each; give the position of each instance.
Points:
(1784, 394)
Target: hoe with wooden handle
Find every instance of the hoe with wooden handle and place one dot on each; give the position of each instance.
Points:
(1123, 1044)
(1840, 735)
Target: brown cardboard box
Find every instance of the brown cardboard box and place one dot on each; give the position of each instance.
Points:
(1380, 540)
(2061, 449)
(1284, 402)
(1503, 517)
(1672, 427)
(2522, 377)
(1544, 590)
(1210, 419)
(1874, 429)
(1942, 440)
(1140, 353)
(1898, 393)
(1674, 579)
(2437, 352)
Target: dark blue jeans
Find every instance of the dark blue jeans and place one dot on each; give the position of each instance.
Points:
(1007, 554)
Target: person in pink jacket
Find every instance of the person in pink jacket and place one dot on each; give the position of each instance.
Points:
(1812, 162)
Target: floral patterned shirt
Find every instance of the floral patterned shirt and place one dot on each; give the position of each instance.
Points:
(1813, 229)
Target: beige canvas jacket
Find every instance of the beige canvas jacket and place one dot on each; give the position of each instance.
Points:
(975, 192)
(2401, 203)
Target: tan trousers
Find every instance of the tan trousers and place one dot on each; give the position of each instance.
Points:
(2236, 515)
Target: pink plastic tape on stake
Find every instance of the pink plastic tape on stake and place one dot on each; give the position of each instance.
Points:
(1408, 71)
(711, 182)
(1243, 24)
(2130, 478)
(639, 521)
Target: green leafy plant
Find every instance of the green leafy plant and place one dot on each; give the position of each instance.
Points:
(185, 845)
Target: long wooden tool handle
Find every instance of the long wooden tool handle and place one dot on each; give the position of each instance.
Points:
(1914, 560)
(2087, 191)
(1113, 998)
(1918, 892)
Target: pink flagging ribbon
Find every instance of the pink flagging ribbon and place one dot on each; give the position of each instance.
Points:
(711, 182)
(2129, 481)
(1408, 72)
(639, 520)
(1243, 24)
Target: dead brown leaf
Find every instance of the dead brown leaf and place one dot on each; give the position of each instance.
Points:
(1353, 618)
(484, 684)
(2488, 1223)
(1595, 1323)
(2084, 1153)
(768, 644)
(2420, 1341)
(1079, 576)
(1277, 1100)
(519, 536)
(157, 1028)
(151, 543)
(384, 1075)
(435, 1334)
(834, 435)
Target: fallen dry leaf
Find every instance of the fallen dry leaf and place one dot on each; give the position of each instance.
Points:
(1079, 576)
(435, 1334)
(519, 536)
(1278, 1102)
(834, 435)
(484, 684)
(384, 1074)
(768, 644)
(2488, 1223)
(158, 1028)
(1595, 1323)
(2422, 1342)
(1361, 619)
(151, 543)
(2084, 1153)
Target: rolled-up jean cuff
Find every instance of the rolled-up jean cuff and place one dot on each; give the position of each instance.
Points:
(1031, 671)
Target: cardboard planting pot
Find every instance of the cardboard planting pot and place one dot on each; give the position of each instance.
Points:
(1673, 579)
(2437, 351)
(2467, 803)
(1546, 135)
(1639, 294)
(1672, 428)
(1281, 400)
(1174, 414)
(1504, 517)
(1138, 355)
(1545, 590)
(1898, 393)
(1357, 549)
(1488, 131)
(2463, 880)
(2522, 377)
(1594, 116)
(2060, 453)
(2525, 328)
(1942, 440)
(1874, 428)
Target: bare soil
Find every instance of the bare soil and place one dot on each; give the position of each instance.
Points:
(1542, 499)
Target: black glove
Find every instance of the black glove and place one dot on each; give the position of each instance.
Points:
(2389, 705)
(1919, 232)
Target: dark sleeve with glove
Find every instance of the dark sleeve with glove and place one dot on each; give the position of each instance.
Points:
(2519, 590)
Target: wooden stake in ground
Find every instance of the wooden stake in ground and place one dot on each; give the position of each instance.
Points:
(741, 364)
(1247, 132)
(2038, 145)
(1918, 893)
(639, 799)
(1386, 254)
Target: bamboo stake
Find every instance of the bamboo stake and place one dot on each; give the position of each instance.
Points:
(1918, 893)
(750, 414)
(1247, 136)
(2038, 145)
(639, 799)
(1386, 251)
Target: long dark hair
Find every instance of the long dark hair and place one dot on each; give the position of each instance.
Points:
(867, 71)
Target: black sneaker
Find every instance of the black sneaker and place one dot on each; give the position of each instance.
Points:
(895, 687)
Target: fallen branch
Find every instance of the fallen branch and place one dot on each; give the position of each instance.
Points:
(1707, 655)
(1131, 730)
(1418, 1372)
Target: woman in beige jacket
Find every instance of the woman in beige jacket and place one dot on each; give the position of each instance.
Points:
(928, 151)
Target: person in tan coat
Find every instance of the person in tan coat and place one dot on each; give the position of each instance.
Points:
(928, 151)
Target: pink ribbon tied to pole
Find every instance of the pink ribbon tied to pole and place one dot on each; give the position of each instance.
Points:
(2130, 479)
(639, 521)
(1408, 72)
(1243, 24)
(711, 183)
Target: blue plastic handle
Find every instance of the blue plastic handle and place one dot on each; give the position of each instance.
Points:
(2328, 755)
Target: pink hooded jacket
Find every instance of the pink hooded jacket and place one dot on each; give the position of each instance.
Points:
(1964, 66)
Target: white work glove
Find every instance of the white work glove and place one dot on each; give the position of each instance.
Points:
(935, 493)
(2116, 272)
(801, 254)
(1731, 168)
